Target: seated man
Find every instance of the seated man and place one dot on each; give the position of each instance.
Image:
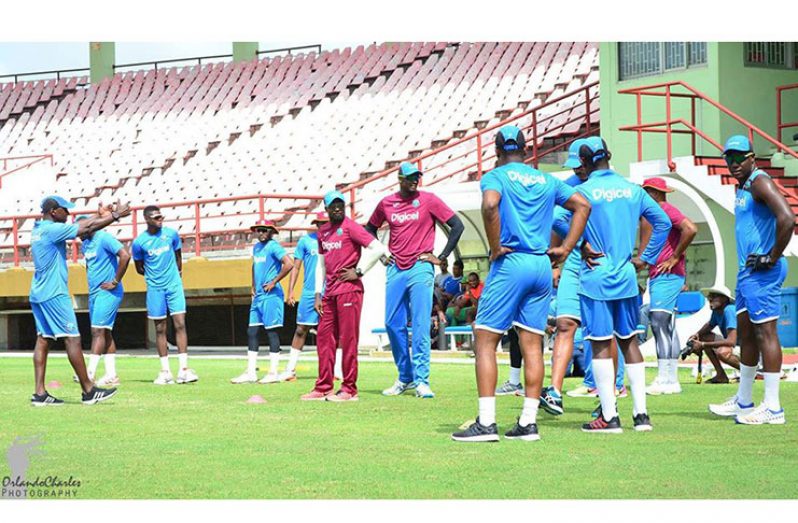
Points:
(723, 348)
(464, 307)
(452, 286)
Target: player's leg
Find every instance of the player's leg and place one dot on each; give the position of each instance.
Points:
(742, 402)
(91, 393)
(348, 311)
(588, 387)
(625, 315)
(165, 375)
(297, 343)
(253, 343)
(97, 348)
(110, 378)
(396, 312)
(513, 383)
(184, 374)
(551, 397)
(326, 343)
(40, 351)
(273, 336)
(419, 292)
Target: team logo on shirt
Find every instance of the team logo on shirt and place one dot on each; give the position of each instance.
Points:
(89, 255)
(339, 232)
(404, 217)
(526, 179)
(609, 195)
(416, 203)
(331, 246)
(158, 251)
(740, 202)
(259, 259)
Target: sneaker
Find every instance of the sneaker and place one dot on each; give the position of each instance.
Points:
(622, 392)
(186, 376)
(269, 378)
(508, 388)
(527, 433)
(246, 377)
(45, 400)
(612, 426)
(108, 381)
(583, 392)
(96, 395)
(730, 407)
(288, 376)
(164, 378)
(423, 391)
(315, 395)
(396, 389)
(792, 376)
(657, 388)
(597, 412)
(761, 416)
(476, 432)
(550, 401)
(341, 396)
(77, 380)
(642, 422)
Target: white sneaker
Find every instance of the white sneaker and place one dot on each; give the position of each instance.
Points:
(246, 377)
(164, 378)
(76, 380)
(657, 387)
(673, 387)
(761, 416)
(730, 407)
(187, 376)
(424, 391)
(108, 381)
(792, 376)
(270, 378)
(287, 376)
(397, 388)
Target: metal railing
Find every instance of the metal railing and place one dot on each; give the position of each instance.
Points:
(34, 159)
(666, 90)
(780, 123)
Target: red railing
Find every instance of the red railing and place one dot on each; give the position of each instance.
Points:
(780, 124)
(34, 159)
(666, 90)
(199, 213)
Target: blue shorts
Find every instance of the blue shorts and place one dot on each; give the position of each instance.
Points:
(664, 291)
(267, 311)
(568, 295)
(55, 318)
(759, 293)
(161, 301)
(603, 319)
(305, 312)
(517, 292)
(103, 306)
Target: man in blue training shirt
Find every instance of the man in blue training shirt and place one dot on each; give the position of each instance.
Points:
(157, 253)
(723, 348)
(517, 208)
(608, 286)
(270, 264)
(49, 294)
(104, 273)
(764, 226)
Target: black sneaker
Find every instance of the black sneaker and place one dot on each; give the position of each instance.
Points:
(597, 411)
(476, 432)
(550, 401)
(642, 422)
(45, 400)
(612, 426)
(527, 433)
(96, 395)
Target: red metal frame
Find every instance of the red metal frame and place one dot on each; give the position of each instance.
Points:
(35, 159)
(780, 124)
(666, 90)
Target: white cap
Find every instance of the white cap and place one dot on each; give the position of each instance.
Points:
(720, 289)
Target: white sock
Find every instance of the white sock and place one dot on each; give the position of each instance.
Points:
(663, 376)
(604, 374)
(529, 413)
(182, 359)
(744, 390)
(293, 358)
(515, 376)
(487, 411)
(274, 362)
(165, 363)
(110, 364)
(252, 361)
(673, 368)
(637, 384)
(771, 400)
(94, 360)
(339, 368)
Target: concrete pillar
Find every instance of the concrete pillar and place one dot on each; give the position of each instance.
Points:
(102, 57)
(243, 51)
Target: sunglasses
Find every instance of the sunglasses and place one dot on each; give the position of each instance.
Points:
(262, 230)
(413, 178)
(736, 158)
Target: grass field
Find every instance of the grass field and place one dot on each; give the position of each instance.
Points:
(204, 441)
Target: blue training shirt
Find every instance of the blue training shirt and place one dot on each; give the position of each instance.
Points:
(307, 250)
(617, 205)
(755, 224)
(101, 262)
(528, 197)
(725, 320)
(48, 248)
(266, 264)
(157, 252)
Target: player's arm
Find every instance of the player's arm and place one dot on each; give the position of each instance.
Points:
(179, 260)
(645, 237)
(688, 230)
(293, 279)
(580, 212)
(729, 341)
(107, 215)
(121, 269)
(321, 274)
(373, 253)
(661, 226)
(286, 265)
(765, 191)
(492, 222)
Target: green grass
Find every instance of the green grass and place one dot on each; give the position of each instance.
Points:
(204, 441)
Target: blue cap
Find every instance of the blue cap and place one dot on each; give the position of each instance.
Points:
(510, 138)
(594, 148)
(573, 154)
(409, 169)
(53, 201)
(738, 142)
(332, 196)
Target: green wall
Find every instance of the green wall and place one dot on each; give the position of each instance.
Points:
(243, 51)
(102, 57)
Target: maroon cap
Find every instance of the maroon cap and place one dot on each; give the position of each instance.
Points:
(321, 217)
(658, 184)
(264, 223)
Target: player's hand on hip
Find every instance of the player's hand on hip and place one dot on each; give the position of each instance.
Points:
(639, 264)
(589, 255)
(667, 265)
(429, 257)
(387, 260)
(557, 254)
(501, 251)
(109, 285)
(268, 286)
(347, 274)
(759, 262)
